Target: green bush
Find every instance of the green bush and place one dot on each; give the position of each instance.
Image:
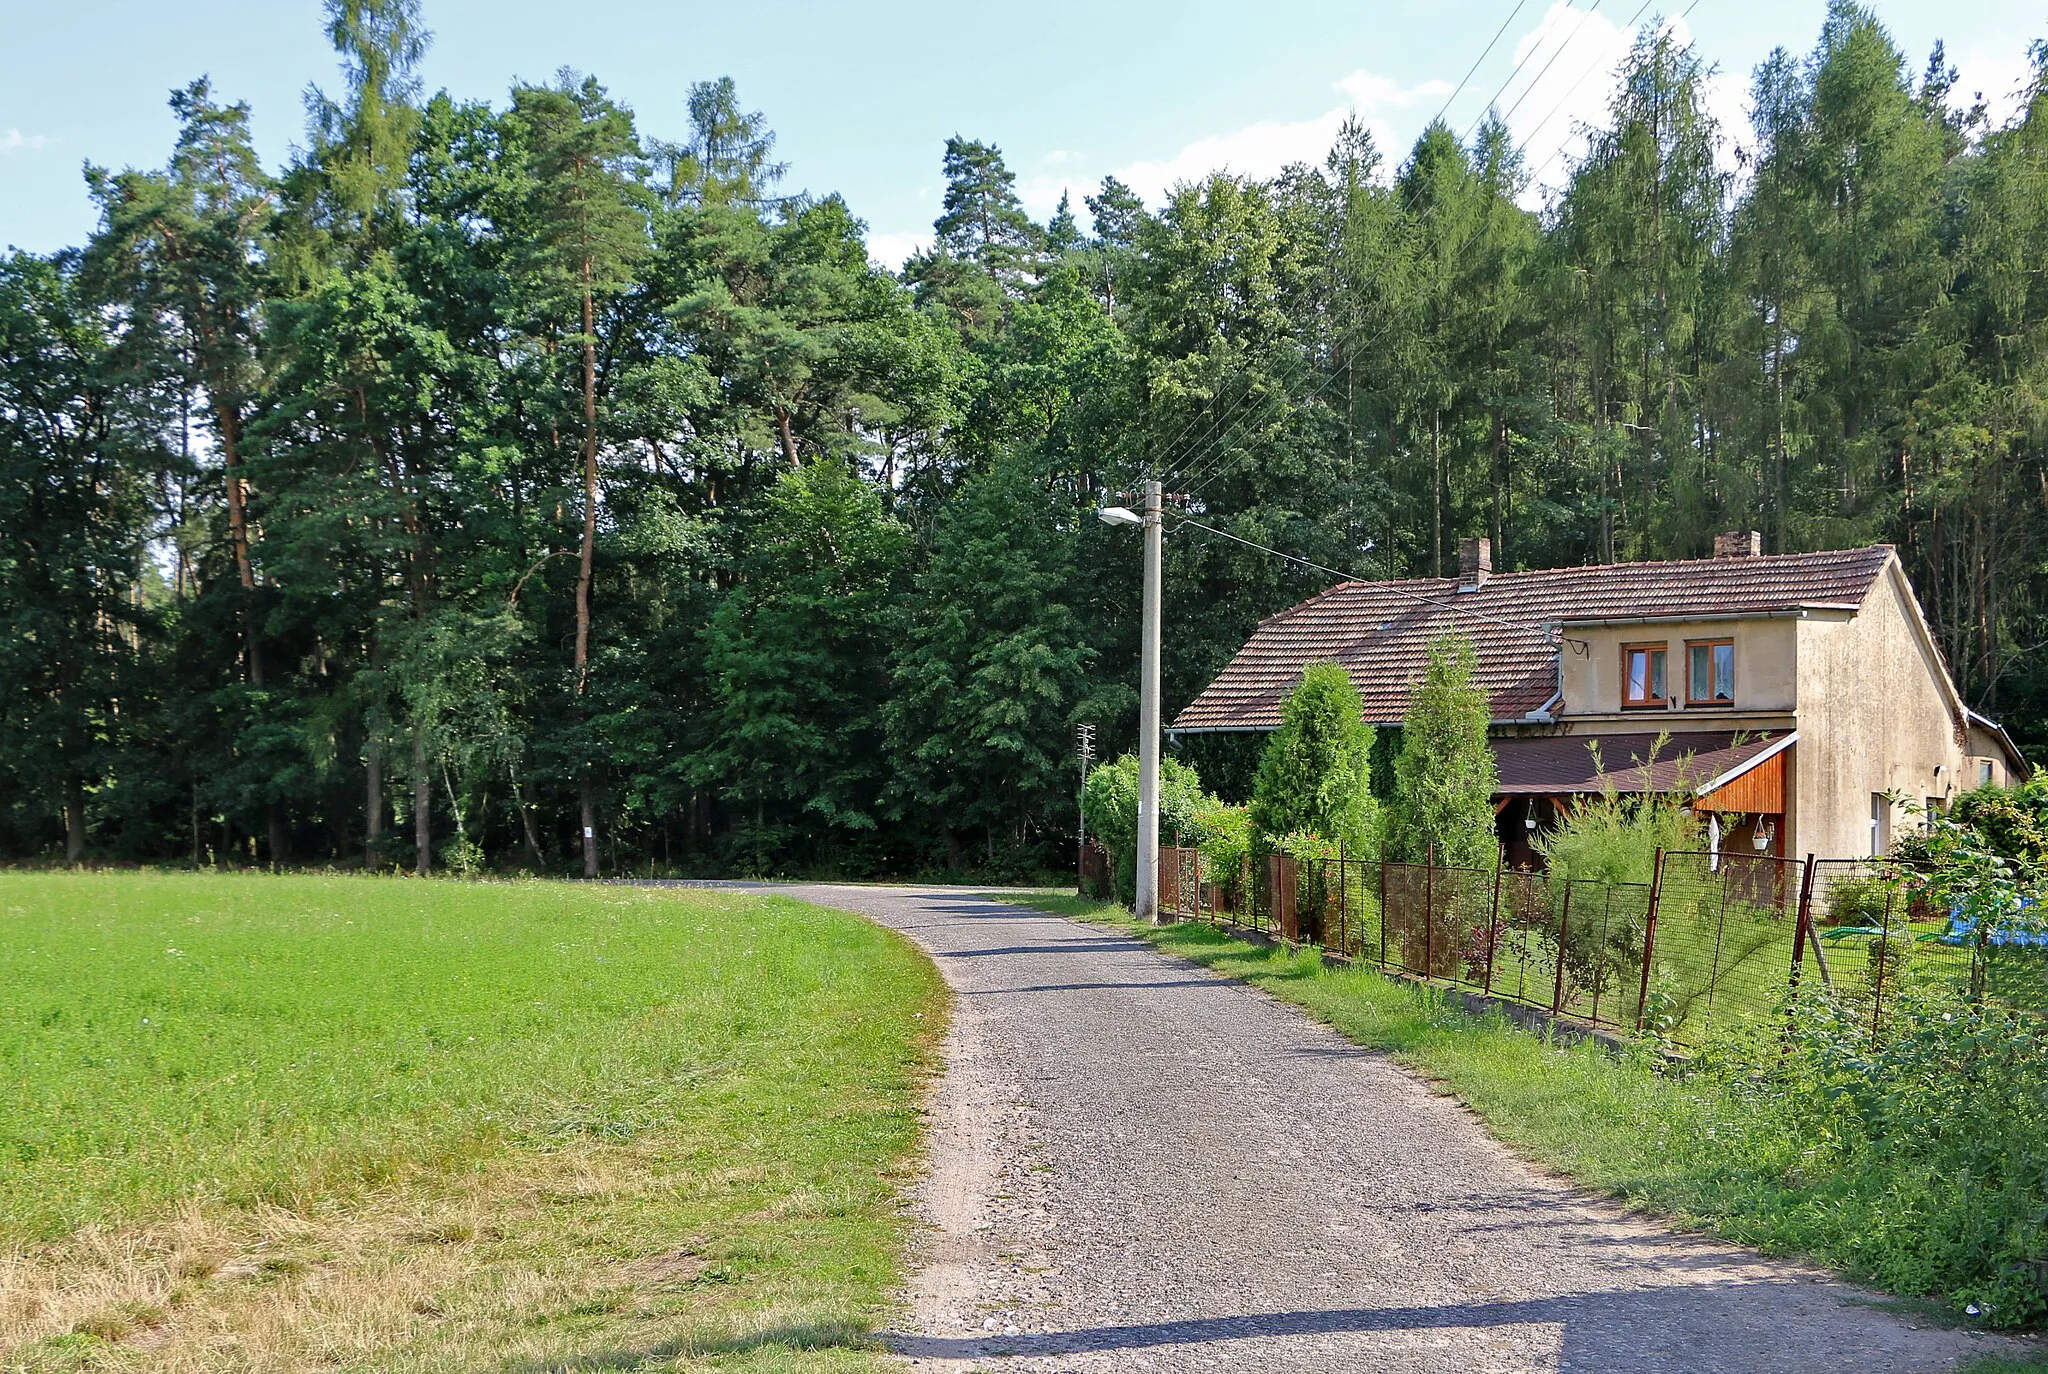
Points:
(1923, 1164)
(1226, 843)
(1109, 804)
(1614, 837)
(1316, 773)
(2011, 822)
(1863, 901)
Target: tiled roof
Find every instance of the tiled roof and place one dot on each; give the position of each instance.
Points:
(1380, 631)
(1542, 765)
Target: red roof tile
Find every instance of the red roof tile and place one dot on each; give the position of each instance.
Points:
(1380, 631)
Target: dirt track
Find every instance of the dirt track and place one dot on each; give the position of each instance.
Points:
(1138, 1165)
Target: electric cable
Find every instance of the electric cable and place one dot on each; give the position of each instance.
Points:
(1189, 425)
(1204, 445)
(1213, 471)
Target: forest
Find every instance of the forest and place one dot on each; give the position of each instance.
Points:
(501, 485)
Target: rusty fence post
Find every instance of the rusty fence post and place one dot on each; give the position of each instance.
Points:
(1493, 923)
(1429, 911)
(1343, 907)
(1564, 930)
(1799, 929)
(1383, 907)
(1650, 937)
(1802, 924)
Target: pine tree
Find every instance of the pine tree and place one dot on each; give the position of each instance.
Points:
(185, 250)
(589, 229)
(982, 219)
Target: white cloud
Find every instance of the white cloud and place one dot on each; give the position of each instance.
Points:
(1568, 64)
(1264, 148)
(2000, 77)
(893, 250)
(13, 139)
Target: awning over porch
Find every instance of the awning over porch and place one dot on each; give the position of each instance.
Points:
(1701, 762)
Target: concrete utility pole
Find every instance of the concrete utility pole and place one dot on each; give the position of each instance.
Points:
(1154, 523)
(1147, 904)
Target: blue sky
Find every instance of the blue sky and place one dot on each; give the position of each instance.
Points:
(863, 96)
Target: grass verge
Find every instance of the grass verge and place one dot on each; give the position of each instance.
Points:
(1711, 1151)
(359, 1123)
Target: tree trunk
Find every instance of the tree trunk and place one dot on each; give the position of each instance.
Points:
(589, 825)
(373, 797)
(245, 572)
(275, 833)
(522, 794)
(195, 825)
(74, 820)
(588, 559)
(422, 806)
(788, 437)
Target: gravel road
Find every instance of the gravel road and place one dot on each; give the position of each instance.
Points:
(1139, 1165)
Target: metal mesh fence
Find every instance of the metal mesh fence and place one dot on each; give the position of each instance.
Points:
(1723, 942)
(1716, 940)
(1878, 933)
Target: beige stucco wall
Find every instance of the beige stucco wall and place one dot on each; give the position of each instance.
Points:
(1766, 674)
(1874, 716)
(1984, 750)
(1866, 692)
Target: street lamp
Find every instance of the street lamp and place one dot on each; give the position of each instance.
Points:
(1146, 904)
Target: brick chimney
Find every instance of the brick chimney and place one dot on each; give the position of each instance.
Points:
(1475, 563)
(1738, 544)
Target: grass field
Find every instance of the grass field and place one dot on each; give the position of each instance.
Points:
(261, 1122)
(1703, 1151)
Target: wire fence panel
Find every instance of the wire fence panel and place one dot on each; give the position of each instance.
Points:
(1596, 952)
(1878, 933)
(1438, 921)
(1723, 943)
(1717, 940)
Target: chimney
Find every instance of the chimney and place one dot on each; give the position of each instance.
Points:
(1738, 544)
(1475, 563)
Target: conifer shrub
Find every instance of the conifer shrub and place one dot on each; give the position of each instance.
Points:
(1444, 776)
(1316, 773)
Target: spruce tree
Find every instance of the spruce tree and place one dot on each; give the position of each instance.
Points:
(1063, 231)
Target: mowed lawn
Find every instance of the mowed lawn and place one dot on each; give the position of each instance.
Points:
(254, 1122)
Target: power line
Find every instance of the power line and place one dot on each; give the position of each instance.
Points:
(1189, 425)
(1557, 152)
(1208, 443)
(1205, 442)
(1378, 584)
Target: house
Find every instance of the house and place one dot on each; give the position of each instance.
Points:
(1802, 694)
